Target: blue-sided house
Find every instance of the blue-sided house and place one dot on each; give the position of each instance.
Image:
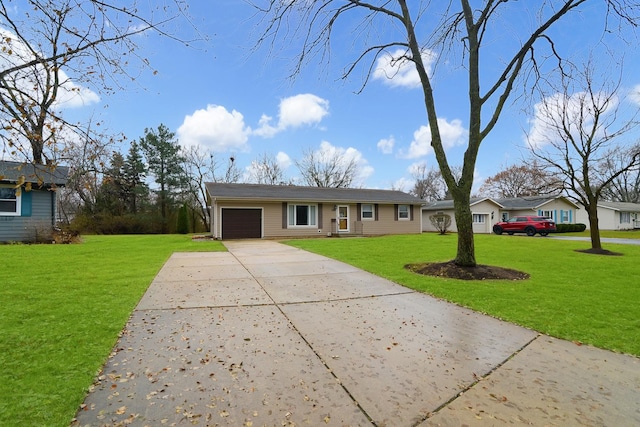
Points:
(28, 200)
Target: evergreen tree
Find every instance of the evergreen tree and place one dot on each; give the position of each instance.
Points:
(111, 193)
(165, 163)
(134, 174)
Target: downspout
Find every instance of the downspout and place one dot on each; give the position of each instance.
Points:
(214, 223)
(53, 209)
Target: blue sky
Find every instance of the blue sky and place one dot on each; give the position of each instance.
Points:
(223, 96)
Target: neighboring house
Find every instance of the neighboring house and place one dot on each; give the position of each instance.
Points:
(28, 200)
(487, 211)
(241, 211)
(560, 209)
(614, 216)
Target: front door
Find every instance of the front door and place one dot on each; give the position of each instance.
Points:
(343, 219)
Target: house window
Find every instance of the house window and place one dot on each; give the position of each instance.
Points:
(546, 214)
(9, 201)
(564, 216)
(403, 212)
(367, 211)
(302, 215)
(625, 217)
(478, 218)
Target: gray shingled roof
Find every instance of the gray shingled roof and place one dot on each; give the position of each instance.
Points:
(448, 204)
(298, 193)
(13, 171)
(621, 206)
(516, 203)
(529, 202)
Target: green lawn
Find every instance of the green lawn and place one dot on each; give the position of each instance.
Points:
(576, 296)
(62, 309)
(64, 305)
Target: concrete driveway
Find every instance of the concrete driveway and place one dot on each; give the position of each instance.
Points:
(270, 335)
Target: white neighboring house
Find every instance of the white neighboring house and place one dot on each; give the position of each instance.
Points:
(487, 211)
(560, 209)
(614, 216)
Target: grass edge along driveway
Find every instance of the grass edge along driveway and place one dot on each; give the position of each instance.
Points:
(63, 307)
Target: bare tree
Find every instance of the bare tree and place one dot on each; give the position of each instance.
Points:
(266, 170)
(87, 162)
(626, 186)
(521, 180)
(52, 53)
(420, 30)
(231, 172)
(429, 184)
(200, 167)
(579, 134)
(325, 168)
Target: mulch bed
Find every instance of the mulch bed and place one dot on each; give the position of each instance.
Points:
(598, 252)
(480, 272)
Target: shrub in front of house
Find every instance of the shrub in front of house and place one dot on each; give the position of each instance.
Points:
(570, 228)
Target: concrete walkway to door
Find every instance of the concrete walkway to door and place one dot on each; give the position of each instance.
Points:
(270, 335)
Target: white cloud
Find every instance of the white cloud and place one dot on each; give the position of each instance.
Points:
(215, 128)
(295, 111)
(70, 94)
(264, 127)
(417, 168)
(385, 145)
(283, 160)
(403, 184)
(634, 94)
(452, 134)
(304, 109)
(329, 151)
(395, 70)
(574, 112)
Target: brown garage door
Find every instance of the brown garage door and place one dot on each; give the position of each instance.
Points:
(241, 223)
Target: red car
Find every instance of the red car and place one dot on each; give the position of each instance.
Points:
(526, 224)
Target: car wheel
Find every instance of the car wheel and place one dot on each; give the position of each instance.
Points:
(530, 231)
(497, 229)
(544, 233)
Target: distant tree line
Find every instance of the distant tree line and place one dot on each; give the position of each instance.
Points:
(158, 186)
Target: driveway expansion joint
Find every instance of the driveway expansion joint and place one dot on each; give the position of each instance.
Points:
(477, 381)
(206, 344)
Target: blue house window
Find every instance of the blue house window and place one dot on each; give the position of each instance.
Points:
(9, 201)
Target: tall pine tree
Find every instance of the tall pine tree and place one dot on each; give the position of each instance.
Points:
(134, 175)
(165, 163)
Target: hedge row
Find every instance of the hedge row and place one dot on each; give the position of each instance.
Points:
(569, 228)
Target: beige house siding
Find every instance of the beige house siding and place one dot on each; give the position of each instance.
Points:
(428, 227)
(387, 223)
(274, 216)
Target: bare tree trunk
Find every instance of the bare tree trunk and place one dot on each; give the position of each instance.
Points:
(465, 255)
(594, 229)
